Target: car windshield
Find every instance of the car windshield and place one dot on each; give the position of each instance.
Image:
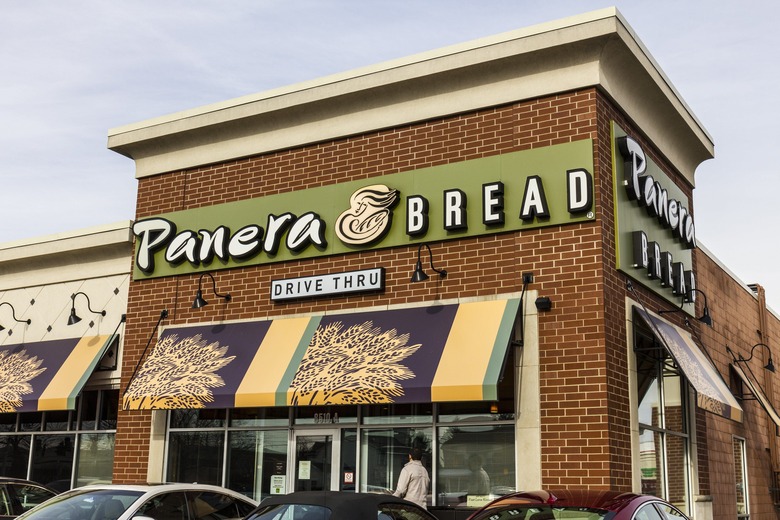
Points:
(80, 504)
(291, 512)
(538, 512)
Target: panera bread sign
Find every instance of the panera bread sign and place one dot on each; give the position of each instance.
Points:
(520, 190)
(655, 228)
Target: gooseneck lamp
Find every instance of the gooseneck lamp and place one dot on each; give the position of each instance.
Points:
(199, 301)
(770, 365)
(13, 315)
(705, 315)
(73, 318)
(419, 274)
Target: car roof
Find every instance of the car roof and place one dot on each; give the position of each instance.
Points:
(163, 487)
(599, 499)
(344, 505)
(152, 487)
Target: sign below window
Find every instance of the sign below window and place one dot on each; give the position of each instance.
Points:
(329, 284)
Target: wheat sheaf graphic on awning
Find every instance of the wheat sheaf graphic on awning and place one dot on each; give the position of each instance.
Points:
(178, 374)
(418, 354)
(17, 369)
(359, 364)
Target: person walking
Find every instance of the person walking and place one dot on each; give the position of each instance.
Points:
(413, 481)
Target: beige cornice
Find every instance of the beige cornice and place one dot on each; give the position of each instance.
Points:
(596, 49)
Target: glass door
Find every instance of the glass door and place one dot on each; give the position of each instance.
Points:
(316, 464)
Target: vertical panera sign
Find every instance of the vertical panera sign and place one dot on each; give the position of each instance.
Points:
(515, 191)
(655, 229)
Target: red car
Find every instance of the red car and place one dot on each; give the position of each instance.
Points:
(579, 505)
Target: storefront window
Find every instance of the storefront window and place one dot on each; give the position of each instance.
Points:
(384, 452)
(348, 460)
(42, 446)
(196, 456)
(30, 421)
(255, 459)
(663, 421)
(475, 411)
(52, 459)
(740, 477)
(259, 417)
(14, 454)
(88, 411)
(56, 421)
(95, 458)
(398, 413)
(200, 418)
(8, 422)
(348, 448)
(474, 463)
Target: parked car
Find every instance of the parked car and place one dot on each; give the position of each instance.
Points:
(579, 505)
(338, 505)
(157, 501)
(18, 495)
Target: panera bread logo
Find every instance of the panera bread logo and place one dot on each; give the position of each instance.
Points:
(369, 215)
(515, 191)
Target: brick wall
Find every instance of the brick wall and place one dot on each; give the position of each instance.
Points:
(736, 323)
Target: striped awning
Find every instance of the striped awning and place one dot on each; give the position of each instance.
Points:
(47, 375)
(410, 355)
(758, 393)
(712, 392)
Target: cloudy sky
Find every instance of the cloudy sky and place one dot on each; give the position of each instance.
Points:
(70, 71)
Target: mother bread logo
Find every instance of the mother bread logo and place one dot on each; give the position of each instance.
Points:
(369, 215)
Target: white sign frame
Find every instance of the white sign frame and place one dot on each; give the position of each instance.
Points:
(348, 282)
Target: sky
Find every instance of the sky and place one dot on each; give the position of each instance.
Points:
(71, 71)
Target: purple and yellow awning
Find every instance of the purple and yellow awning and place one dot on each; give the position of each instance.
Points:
(47, 375)
(712, 392)
(411, 355)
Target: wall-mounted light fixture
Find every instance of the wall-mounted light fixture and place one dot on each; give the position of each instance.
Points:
(199, 302)
(688, 298)
(543, 303)
(769, 366)
(13, 315)
(419, 275)
(73, 318)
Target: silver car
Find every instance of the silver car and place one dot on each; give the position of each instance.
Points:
(144, 502)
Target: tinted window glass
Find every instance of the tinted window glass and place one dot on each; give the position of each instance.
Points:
(30, 496)
(401, 512)
(89, 403)
(52, 458)
(14, 455)
(291, 512)
(648, 512)
(670, 512)
(168, 506)
(108, 410)
(196, 457)
(208, 505)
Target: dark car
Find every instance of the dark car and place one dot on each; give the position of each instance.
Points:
(579, 505)
(18, 495)
(338, 505)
